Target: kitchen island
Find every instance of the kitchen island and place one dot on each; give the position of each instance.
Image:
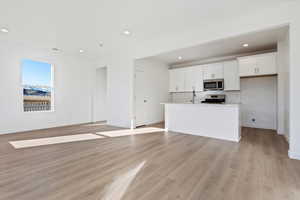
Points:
(220, 121)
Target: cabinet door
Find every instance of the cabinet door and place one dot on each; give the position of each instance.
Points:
(194, 79)
(213, 71)
(172, 81)
(177, 80)
(231, 75)
(258, 65)
(190, 79)
(180, 74)
(199, 79)
(266, 64)
(247, 66)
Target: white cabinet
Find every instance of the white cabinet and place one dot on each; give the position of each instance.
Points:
(247, 66)
(231, 75)
(266, 64)
(186, 79)
(194, 79)
(213, 71)
(177, 80)
(191, 78)
(258, 65)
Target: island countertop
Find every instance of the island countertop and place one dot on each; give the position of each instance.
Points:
(204, 104)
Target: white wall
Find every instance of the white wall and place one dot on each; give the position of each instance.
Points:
(259, 102)
(157, 91)
(283, 86)
(294, 117)
(120, 89)
(100, 97)
(72, 85)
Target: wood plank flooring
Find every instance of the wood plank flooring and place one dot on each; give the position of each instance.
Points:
(154, 166)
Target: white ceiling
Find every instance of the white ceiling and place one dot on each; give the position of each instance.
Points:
(71, 25)
(258, 41)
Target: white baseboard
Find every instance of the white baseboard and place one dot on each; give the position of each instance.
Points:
(293, 155)
(239, 139)
(287, 138)
(45, 127)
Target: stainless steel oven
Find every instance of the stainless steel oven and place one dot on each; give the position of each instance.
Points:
(213, 85)
(214, 98)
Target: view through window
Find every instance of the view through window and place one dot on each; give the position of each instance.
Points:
(37, 86)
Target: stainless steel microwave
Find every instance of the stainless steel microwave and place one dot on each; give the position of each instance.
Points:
(213, 85)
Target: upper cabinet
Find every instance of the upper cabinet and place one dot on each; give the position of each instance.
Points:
(213, 71)
(194, 79)
(186, 79)
(189, 79)
(258, 65)
(231, 75)
(177, 80)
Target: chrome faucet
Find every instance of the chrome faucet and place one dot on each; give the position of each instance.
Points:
(194, 96)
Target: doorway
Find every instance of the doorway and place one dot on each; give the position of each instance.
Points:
(100, 96)
(141, 98)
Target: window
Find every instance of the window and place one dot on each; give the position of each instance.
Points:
(37, 86)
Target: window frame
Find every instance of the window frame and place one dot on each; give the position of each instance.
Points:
(52, 110)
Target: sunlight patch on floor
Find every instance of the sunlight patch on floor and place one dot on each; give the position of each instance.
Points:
(126, 132)
(120, 185)
(53, 140)
(81, 137)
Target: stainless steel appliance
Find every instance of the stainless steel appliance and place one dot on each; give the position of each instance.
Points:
(213, 85)
(214, 98)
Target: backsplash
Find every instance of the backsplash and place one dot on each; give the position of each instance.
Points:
(232, 97)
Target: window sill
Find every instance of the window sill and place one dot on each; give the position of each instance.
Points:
(38, 112)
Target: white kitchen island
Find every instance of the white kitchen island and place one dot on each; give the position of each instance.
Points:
(221, 121)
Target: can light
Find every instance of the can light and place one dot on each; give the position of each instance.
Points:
(4, 30)
(126, 32)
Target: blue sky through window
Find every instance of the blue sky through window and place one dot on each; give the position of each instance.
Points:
(36, 73)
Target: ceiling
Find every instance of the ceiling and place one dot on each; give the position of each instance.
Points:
(72, 25)
(258, 41)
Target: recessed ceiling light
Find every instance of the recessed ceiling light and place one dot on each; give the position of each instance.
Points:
(126, 32)
(4, 30)
(81, 51)
(179, 57)
(100, 44)
(246, 45)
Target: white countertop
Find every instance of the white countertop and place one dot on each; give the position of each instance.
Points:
(203, 104)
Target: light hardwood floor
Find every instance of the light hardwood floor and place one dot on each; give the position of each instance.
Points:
(154, 166)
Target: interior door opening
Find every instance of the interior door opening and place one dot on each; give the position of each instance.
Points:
(141, 99)
(99, 113)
